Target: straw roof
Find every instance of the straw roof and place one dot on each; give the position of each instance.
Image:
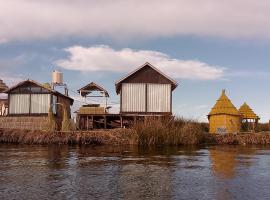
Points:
(224, 106)
(3, 86)
(247, 112)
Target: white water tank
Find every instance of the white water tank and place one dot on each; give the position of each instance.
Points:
(57, 77)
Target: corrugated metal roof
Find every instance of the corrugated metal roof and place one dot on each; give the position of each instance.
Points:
(247, 112)
(92, 87)
(224, 106)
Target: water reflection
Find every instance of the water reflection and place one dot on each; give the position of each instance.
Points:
(129, 172)
(226, 159)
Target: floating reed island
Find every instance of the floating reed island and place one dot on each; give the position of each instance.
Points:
(148, 133)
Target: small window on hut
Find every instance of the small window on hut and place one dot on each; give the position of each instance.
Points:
(17, 90)
(44, 90)
(36, 89)
(54, 104)
(26, 89)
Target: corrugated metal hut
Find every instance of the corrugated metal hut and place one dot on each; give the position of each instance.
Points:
(249, 118)
(224, 117)
(29, 103)
(146, 91)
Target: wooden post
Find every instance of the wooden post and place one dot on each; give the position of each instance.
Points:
(92, 118)
(105, 122)
(87, 121)
(121, 121)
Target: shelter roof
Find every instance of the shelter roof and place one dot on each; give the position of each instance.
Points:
(247, 112)
(92, 87)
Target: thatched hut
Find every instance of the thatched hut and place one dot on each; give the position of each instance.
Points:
(224, 117)
(3, 86)
(249, 118)
(3, 99)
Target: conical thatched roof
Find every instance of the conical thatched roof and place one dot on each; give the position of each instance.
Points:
(224, 106)
(3, 86)
(247, 112)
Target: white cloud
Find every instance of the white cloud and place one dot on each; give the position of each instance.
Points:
(11, 80)
(104, 58)
(29, 19)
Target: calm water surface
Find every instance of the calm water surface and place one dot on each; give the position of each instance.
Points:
(104, 172)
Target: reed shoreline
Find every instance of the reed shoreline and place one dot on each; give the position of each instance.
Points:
(122, 137)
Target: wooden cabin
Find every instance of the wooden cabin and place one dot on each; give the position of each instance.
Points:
(29, 103)
(146, 91)
(224, 117)
(249, 118)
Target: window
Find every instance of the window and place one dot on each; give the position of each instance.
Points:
(54, 105)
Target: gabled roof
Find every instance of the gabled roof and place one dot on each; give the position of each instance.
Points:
(224, 106)
(147, 64)
(3, 86)
(247, 112)
(92, 87)
(40, 85)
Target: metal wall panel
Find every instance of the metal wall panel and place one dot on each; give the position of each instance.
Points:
(133, 97)
(19, 103)
(40, 103)
(158, 98)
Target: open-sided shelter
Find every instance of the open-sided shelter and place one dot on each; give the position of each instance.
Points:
(249, 118)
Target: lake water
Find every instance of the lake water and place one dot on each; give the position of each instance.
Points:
(105, 172)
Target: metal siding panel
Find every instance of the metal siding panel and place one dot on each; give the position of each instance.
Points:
(133, 97)
(19, 103)
(40, 103)
(158, 97)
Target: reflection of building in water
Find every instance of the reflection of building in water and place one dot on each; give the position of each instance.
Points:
(225, 160)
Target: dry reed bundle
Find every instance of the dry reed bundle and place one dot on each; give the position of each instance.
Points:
(113, 137)
(170, 132)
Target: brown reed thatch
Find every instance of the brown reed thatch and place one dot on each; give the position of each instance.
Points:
(3, 86)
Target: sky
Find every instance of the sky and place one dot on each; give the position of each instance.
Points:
(205, 45)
